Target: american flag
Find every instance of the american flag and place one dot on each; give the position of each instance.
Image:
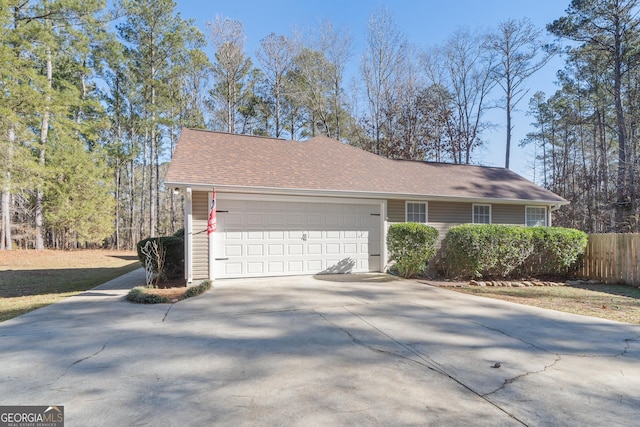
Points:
(211, 223)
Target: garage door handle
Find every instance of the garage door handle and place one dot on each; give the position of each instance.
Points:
(222, 259)
(304, 237)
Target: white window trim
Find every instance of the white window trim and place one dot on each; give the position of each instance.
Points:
(473, 209)
(420, 202)
(546, 215)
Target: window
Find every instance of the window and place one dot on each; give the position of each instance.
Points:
(482, 214)
(535, 216)
(416, 212)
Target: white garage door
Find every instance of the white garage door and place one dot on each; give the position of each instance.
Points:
(272, 238)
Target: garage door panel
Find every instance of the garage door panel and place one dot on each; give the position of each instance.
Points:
(276, 267)
(295, 267)
(314, 235)
(332, 220)
(255, 268)
(255, 250)
(296, 235)
(332, 248)
(276, 219)
(275, 250)
(350, 248)
(314, 220)
(233, 235)
(294, 220)
(314, 249)
(233, 250)
(257, 238)
(332, 234)
(233, 269)
(295, 249)
(275, 235)
(255, 235)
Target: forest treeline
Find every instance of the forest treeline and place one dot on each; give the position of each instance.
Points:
(94, 95)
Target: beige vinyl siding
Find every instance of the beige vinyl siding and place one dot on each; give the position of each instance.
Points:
(395, 210)
(200, 240)
(450, 212)
(507, 214)
(443, 215)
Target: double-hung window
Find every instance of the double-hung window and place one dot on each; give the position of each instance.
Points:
(535, 216)
(481, 214)
(416, 212)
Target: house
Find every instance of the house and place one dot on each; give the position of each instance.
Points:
(320, 206)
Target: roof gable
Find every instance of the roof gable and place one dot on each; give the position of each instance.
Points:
(204, 158)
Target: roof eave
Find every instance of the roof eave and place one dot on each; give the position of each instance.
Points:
(361, 194)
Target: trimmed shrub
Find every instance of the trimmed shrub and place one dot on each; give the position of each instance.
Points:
(557, 251)
(486, 250)
(138, 295)
(411, 245)
(174, 255)
(198, 289)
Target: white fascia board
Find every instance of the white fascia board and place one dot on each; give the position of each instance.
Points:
(363, 194)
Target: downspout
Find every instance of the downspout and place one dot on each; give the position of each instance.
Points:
(552, 208)
(188, 236)
(384, 223)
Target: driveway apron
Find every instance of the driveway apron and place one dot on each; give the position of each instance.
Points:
(319, 350)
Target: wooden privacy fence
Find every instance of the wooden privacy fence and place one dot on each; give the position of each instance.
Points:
(613, 258)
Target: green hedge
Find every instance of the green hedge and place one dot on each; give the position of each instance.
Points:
(411, 245)
(198, 289)
(557, 251)
(174, 258)
(491, 251)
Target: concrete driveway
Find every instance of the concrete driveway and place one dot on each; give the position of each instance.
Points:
(325, 350)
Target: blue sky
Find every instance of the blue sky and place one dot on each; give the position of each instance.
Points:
(425, 23)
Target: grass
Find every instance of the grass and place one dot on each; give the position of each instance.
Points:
(613, 302)
(34, 279)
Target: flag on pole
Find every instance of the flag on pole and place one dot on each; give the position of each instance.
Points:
(211, 223)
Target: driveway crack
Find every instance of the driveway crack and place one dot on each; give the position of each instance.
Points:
(423, 361)
(167, 312)
(516, 378)
(82, 360)
(627, 344)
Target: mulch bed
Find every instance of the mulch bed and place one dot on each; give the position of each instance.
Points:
(174, 289)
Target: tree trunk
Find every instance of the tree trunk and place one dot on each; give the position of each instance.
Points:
(44, 135)
(621, 196)
(5, 233)
(508, 148)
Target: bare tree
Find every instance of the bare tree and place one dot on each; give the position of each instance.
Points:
(276, 55)
(336, 44)
(379, 63)
(464, 68)
(230, 67)
(520, 53)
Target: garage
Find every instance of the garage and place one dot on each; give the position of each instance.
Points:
(287, 207)
(275, 237)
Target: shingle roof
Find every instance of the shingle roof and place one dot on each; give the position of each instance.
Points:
(204, 158)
